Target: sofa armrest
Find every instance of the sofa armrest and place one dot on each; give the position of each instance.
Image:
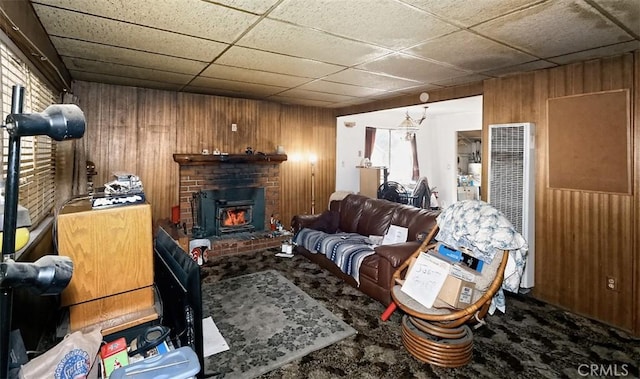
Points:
(397, 253)
(303, 221)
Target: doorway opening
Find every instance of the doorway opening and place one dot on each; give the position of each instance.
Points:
(469, 159)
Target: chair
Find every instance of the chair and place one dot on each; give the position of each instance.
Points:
(441, 336)
(421, 195)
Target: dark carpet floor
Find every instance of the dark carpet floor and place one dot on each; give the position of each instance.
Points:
(531, 340)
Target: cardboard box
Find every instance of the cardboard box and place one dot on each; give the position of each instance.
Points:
(425, 278)
(454, 289)
(456, 293)
(456, 269)
(463, 272)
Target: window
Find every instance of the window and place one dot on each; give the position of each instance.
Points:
(393, 149)
(37, 153)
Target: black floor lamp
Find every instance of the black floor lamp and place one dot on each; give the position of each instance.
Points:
(50, 274)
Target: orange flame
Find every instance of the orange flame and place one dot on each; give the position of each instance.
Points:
(234, 217)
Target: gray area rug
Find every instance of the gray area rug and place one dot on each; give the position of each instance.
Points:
(267, 322)
(531, 340)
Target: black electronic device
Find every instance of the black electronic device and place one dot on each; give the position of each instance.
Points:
(150, 338)
(177, 278)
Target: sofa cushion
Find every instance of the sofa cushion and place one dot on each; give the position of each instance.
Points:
(327, 222)
(376, 217)
(415, 219)
(397, 253)
(346, 250)
(350, 211)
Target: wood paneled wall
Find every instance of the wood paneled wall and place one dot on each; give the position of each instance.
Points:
(138, 130)
(635, 306)
(581, 237)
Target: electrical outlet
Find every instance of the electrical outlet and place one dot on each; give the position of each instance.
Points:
(612, 283)
(234, 127)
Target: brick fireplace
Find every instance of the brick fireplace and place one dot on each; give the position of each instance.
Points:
(210, 174)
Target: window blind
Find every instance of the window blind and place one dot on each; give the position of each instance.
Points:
(37, 153)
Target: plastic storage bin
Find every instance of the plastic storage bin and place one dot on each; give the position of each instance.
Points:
(181, 363)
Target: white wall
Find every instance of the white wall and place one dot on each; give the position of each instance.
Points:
(350, 145)
(437, 154)
(436, 138)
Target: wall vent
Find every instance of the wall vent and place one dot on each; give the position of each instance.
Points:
(511, 182)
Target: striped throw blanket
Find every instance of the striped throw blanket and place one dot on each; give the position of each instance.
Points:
(346, 250)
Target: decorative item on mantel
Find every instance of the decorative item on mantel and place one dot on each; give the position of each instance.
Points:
(200, 160)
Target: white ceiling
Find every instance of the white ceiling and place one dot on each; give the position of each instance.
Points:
(328, 53)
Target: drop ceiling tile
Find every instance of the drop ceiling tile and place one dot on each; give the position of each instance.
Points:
(412, 68)
(386, 23)
(468, 13)
(312, 95)
(253, 76)
(469, 51)
(253, 6)
(278, 63)
(461, 80)
(157, 41)
(338, 88)
(221, 92)
(80, 49)
(627, 12)
(349, 103)
(63, 23)
(529, 66)
(191, 17)
(288, 39)
(565, 26)
(416, 90)
(370, 79)
(299, 101)
(112, 69)
(606, 51)
(122, 81)
(256, 89)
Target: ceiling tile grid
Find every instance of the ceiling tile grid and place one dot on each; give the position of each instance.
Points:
(328, 53)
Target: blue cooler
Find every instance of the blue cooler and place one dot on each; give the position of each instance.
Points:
(181, 363)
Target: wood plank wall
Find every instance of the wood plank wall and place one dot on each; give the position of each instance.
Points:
(138, 130)
(635, 93)
(581, 237)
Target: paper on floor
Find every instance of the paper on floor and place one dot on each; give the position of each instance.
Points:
(213, 342)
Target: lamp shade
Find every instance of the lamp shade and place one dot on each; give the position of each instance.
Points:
(407, 123)
(411, 124)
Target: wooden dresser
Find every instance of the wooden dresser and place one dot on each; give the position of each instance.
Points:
(370, 180)
(112, 253)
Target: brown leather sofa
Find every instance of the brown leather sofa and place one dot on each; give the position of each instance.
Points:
(367, 216)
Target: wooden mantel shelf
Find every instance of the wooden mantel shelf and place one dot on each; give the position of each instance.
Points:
(210, 159)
